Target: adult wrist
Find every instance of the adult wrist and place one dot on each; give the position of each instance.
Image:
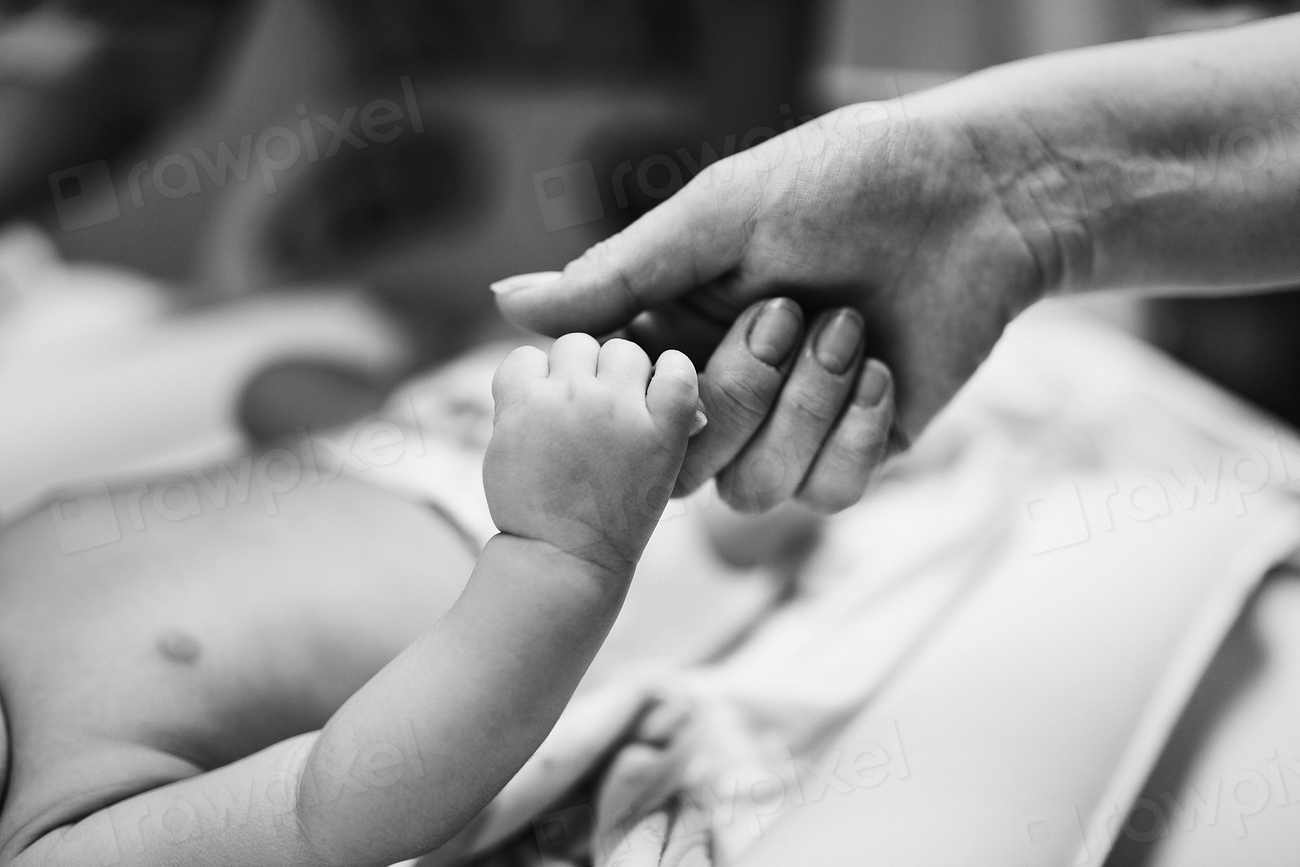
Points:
(1026, 180)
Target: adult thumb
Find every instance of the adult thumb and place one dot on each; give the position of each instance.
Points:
(692, 238)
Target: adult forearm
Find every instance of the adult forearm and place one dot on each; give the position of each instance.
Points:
(1169, 163)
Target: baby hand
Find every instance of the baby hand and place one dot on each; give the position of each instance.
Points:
(586, 445)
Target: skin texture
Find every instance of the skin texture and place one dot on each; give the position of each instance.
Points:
(819, 444)
(552, 471)
(358, 715)
(1166, 163)
(936, 220)
(134, 670)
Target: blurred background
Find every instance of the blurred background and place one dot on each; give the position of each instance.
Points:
(407, 154)
(503, 87)
(226, 223)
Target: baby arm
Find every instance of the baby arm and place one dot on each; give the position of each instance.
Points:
(586, 447)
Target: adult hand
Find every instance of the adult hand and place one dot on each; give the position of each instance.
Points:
(901, 216)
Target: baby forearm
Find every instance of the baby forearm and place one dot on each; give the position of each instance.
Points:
(1164, 163)
(474, 696)
(586, 442)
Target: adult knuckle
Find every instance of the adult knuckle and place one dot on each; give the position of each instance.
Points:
(743, 397)
(813, 409)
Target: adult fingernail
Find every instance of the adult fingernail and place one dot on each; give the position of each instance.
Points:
(837, 344)
(775, 332)
(524, 281)
(873, 384)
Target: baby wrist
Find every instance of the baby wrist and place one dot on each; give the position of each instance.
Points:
(545, 561)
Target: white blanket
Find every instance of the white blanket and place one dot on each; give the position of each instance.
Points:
(984, 658)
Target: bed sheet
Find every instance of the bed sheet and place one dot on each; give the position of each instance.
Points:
(985, 658)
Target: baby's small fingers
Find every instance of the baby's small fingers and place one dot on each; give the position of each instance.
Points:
(574, 355)
(856, 446)
(674, 393)
(624, 366)
(523, 365)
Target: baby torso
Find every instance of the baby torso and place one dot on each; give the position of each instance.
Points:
(172, 651)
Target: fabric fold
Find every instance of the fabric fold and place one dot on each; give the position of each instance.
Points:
(984, 657)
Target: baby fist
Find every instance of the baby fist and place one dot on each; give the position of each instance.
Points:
(586, 445)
